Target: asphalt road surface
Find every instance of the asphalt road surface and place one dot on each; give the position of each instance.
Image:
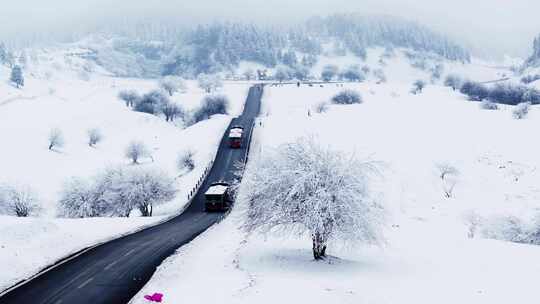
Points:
(115, 271)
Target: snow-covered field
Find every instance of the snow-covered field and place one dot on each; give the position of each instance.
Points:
(62, 100)
(429, 256)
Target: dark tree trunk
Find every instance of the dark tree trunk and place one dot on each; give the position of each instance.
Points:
(319, 247)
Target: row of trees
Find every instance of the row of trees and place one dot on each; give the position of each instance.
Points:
(222, 46)
(503, 93)
(351, 73)
(116, 192)
(56, 138)
(158, 102)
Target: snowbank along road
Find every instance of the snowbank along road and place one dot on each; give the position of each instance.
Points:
(115, 271)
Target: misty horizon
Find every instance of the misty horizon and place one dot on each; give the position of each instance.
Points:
(482, 26)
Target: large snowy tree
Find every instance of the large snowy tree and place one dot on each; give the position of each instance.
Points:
(305, 188)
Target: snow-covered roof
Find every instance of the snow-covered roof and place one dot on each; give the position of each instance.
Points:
(236, 133)
(217, 190)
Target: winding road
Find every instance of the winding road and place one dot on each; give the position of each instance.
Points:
(114, 272)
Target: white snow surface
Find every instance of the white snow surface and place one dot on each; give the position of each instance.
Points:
(428, 256)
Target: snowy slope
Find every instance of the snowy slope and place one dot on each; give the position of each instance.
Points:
(428, 257)
(63, 100)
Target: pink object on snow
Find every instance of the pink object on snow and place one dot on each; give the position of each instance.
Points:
(156, 297)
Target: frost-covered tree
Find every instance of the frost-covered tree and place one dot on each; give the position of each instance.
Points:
(171, 111)
(145, 188)
(474, 90)
(453, 81)
(17, 76)
(380, 75)
(3, 53)
(209, 83)
(301, 72)
(137, 150)
(152, 102)
(353, 73)
(110, 189)
(80, 199)
(211, 105)
(488, 105)
(303, 188)
(94, 136)
(448, 175)
(116, 192)
(283, 73)
(10, 60)
(186, 160)
(56, 139)
(130, 97)
(18, 200)
(436, 72)
(172, 84)
(329, 72)
(249, 74)
(346, 97)
(521, 110)
(418, 86)
(532, 96)
(321, 107)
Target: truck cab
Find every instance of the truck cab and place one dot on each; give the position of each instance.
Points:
(218, 197)
(236, 135)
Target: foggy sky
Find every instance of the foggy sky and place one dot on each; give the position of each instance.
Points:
(491, 27)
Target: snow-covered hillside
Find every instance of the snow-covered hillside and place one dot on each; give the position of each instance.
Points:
(436, 251)
(60, 93)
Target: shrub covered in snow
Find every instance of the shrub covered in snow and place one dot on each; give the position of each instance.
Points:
(211, 105)
(171, 111)
(186, 161)
(379, 75)
(143, 189)
(136, 150)
(130, 97)
(488, 105)
(116, 192)
(249, 74)
(94, 136)
(304, 188)
(56, 139)
(418, 86)
(321, 107)
(353, 73)
(453, 81)
(209, 83)
(347, 97)
(448, 175)
(17, 76)
(507, 93)
(521, 110)
(300, 72)
(475, 90)
(329, 72)
(80, 198)
(283, 73)
(152, 102)
(506, 228)
(530, 78)
(172, 84)
(18, 200)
